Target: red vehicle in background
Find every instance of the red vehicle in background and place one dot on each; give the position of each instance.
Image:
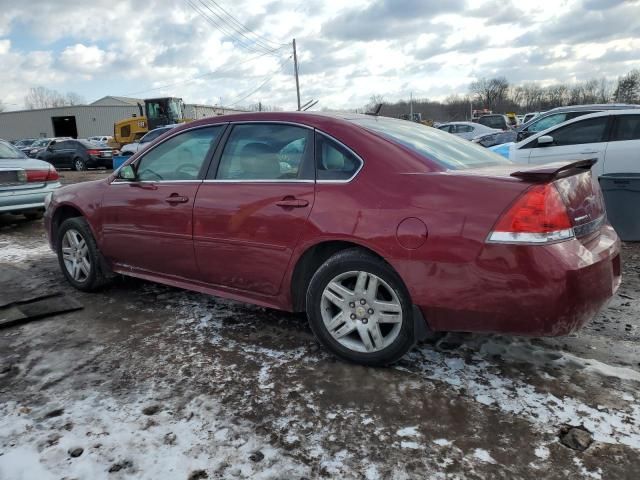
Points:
(379, 229)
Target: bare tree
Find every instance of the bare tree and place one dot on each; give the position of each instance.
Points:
(628, 88)
(2, 107)
(41, 97)
(490, 91)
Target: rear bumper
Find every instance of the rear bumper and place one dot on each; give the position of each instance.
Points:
(525, 290)
(93, 162)
(17, 200)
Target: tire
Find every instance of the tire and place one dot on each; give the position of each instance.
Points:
(31, 216)
(91, 278)
(79, 164)
(366, 337)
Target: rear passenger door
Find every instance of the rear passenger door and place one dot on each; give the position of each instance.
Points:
(623, 151)
(252, 208)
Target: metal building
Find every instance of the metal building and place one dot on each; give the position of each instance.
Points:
(81, 121)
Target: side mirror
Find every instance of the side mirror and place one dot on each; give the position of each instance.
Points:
(127, 173)
(545, 140)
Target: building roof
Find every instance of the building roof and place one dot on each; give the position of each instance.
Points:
(117, 101)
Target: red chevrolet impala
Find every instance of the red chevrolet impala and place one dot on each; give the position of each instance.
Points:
(379, 229)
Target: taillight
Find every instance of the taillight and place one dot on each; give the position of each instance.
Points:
(538, 216)
(42, 175)
(93, 152)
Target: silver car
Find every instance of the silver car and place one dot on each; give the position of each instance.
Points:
(24, 182)
(466, 130)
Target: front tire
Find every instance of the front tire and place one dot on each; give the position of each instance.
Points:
(79, 257)
(359, 308)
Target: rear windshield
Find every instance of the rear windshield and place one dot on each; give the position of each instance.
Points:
(492, 122)
(9, 151)
(449, 151)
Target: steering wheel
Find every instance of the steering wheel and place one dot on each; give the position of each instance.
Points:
(188, 169)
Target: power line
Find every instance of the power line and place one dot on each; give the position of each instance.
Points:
(261, 38)
(235, 102)
(221, 26)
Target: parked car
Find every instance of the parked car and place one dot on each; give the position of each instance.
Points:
(496, 121)
(24, 182)
(41, 144)
(466, 130)
(24, 144)
(611, 137)
(383, 230)
(101, 138)
(77, 154)
(145, 141)
(548, 119)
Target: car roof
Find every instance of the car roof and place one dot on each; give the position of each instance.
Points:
(599, 106)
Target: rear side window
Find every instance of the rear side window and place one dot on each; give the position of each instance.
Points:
(180, 157)
(445, 128)
(333, 161)
(449, 151)
(586, 131)
(462, 129)
(627, 128)
(267, 151)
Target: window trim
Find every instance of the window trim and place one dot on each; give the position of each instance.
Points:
(352, 177)
(205, 164)
(212, 171)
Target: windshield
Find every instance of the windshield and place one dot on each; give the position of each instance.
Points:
(448, 150)
(9, 151)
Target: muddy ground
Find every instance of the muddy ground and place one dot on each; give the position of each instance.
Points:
(154, 382)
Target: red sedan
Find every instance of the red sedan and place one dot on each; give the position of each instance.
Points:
(380, 229)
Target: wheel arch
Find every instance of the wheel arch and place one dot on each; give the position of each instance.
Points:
(62, 213)
(311, 259)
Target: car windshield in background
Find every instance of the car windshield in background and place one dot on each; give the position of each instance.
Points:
(40, 143)
(448, 150)
(492, 122)
(9, 151)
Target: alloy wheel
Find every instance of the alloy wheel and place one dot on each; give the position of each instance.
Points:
(75, 255)
(79, 164)
(361, 311)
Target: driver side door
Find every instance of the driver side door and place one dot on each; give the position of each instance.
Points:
(147, 223)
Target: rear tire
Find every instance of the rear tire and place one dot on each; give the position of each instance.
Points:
(80, 260)
(79, 164)
(359, 309)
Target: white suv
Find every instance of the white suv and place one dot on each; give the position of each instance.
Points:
(612, 137)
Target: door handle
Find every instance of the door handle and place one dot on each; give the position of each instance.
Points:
(291, 202)
(587, 152)
(176, 199)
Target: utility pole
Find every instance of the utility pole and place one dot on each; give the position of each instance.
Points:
(411, 105)
(295, 67)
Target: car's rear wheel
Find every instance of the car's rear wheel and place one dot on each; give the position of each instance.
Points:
(79, 257)
(359, 309)
(79, 164)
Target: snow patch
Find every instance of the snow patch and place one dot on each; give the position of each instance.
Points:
(408, 432)
(542, 452)
(443, 442)
(483, 456)
(20, 253)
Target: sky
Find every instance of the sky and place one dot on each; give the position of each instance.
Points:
(348, 51)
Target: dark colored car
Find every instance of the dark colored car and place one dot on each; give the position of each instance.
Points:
(77, 154)
(499, 122)
(379, 229)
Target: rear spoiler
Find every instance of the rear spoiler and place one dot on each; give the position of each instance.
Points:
(553, 171)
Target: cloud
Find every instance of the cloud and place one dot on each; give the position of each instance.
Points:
(86, 59)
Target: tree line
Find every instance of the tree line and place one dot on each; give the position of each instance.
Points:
(498, 95)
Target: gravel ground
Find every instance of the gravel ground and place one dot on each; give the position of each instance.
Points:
(153, 382)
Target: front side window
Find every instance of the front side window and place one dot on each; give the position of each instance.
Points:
(266, 152)
(180, 157)
(445, 128)
(627, 128)
(547, 122)
(464, 129)
(586, 131)
(333, 161)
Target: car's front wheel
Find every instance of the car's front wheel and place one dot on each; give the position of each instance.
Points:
(79, 256)
(358, 307)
